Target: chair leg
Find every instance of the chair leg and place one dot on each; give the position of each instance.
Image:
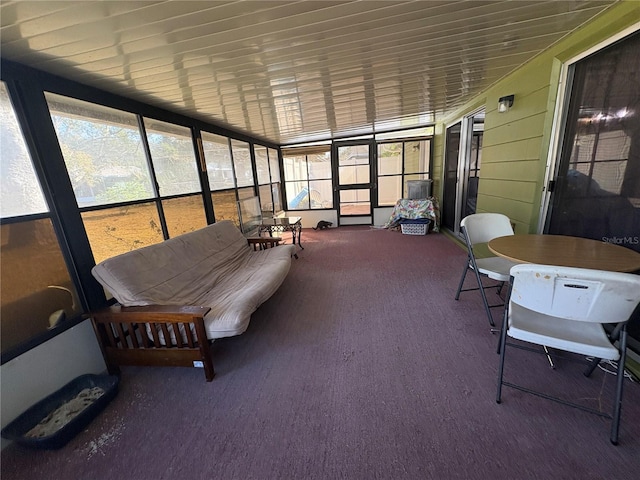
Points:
(484, 297)
(505, 312)
(502, 347)
(464, 275)
(591, 367)
(470, 265)
(546, 352)
(617, 406)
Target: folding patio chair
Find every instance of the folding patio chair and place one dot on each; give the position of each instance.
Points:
(481, 228)
(565, 308)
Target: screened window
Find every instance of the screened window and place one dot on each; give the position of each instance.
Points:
(176, 171)
(308, 180)
(276, 194)
(117, 230)
(184, 214)
(268, 172)
(218, 160)
(242, 163)
(276, 182)
(264, 179)
(103, 152)
(21, 193)
(217, 154)
(173, 158)
(399, 162)
(262, 164)
(274, 167)
(113, 181)
(225, 206)
(37, 292)
(353, 164)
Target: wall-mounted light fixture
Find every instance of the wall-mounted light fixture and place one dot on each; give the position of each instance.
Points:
(505, 103)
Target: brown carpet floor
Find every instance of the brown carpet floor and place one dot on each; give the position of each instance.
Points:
(361, 366)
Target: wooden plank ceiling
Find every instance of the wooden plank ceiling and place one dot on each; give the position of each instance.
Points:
(290, 71)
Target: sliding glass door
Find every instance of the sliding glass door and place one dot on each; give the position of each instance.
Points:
(463, 154)
(451, 156)
(597, 183)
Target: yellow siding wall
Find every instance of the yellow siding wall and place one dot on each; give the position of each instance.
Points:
(516, 143)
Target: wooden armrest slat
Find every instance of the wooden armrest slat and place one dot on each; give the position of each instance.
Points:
(177, 334)
(121, 335)
(143, 335)
(154, 333)
(165, 333)
(108, 331)
(132, 333)
(189, 335)
(202, 335)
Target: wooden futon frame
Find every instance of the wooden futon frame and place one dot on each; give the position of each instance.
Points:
(124, 338)
(122, 332)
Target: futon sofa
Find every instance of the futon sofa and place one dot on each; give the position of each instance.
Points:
(177, 296)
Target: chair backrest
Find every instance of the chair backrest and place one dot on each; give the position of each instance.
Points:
(483, 227)
(576, 293)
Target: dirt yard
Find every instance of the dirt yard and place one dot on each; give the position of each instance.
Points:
(119, 230)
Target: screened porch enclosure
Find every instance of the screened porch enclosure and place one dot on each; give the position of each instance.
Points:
(143, 155)
(136, 180)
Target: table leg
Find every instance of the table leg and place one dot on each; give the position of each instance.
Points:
(299, 229)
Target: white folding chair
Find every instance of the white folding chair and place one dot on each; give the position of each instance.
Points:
(481, 228)
(565, 308)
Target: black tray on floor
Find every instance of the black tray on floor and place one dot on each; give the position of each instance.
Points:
(17, 429)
